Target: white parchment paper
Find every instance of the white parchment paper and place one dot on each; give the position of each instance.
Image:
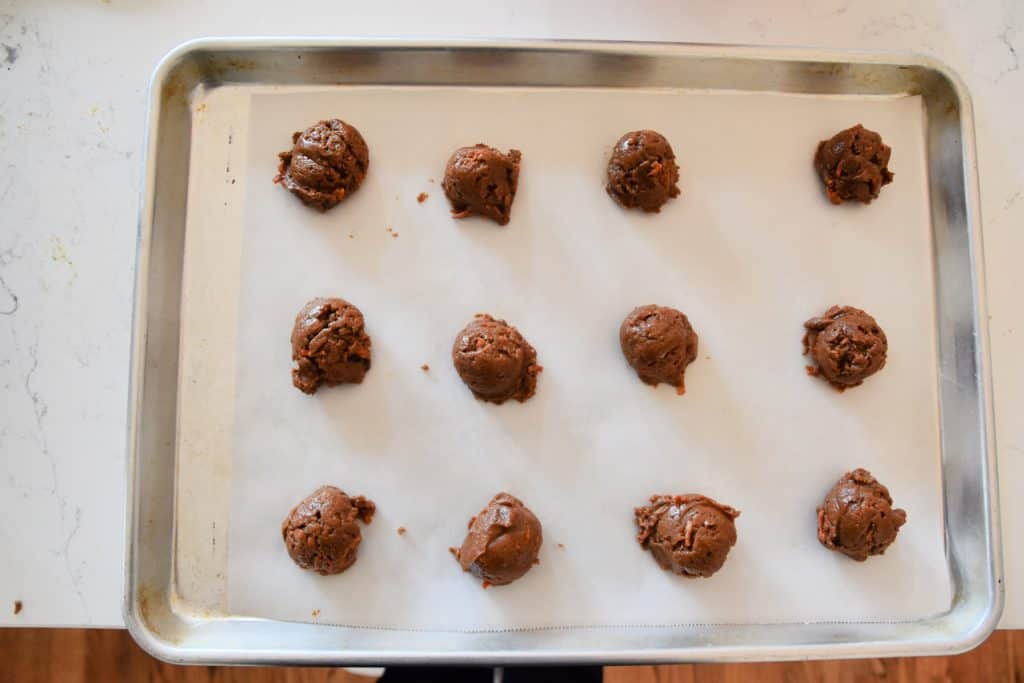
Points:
(749, 251)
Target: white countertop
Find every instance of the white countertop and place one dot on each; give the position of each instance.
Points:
(73, 80)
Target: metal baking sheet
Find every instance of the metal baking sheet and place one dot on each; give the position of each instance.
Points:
(178, 604)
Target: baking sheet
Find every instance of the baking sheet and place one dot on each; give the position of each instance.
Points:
(750, 250)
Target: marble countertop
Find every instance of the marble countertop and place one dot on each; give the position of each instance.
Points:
(73, 78)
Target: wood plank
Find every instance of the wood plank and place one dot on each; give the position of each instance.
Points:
(85, 656)
(1000, 658)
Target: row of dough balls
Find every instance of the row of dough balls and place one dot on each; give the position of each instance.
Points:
(329, 160)
(689, 534)
(330, 346)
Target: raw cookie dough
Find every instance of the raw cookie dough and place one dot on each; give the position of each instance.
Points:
(329, 345)
(847, 345)
(689, 534)
(502, 542)
(853, 164)
(857, 517)
(321, 533)
(659, 343)
(642, 171)
(481, 180)
(495, 361)
(327, 162)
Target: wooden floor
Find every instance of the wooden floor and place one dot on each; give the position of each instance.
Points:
(77, 656)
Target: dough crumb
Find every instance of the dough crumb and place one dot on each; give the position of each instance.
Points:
(351, 236)
(392, 232)
(422, 197)
(401, 531)
(316, 614)
(425, 368)
(17, 606)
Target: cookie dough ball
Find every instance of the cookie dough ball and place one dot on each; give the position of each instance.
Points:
(847, 345)
(658, 343)
(495, 361)
(689, 534)
(502, 543)
(327, 163)
(321, 533)
(642, 172)
(329, 345)
(481, 180)
(853, 165)
(857, 517)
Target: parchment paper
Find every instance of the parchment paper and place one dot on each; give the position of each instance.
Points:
(749, 251)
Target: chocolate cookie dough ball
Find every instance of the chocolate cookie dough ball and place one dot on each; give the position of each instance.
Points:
(321, 533)
(857, 517)
(327, 163)
(642, 172)
(502, 543)
(853, 164)
(495, 361)
(847, 345)
(689, 534)
(329, 345)
(481, 180)
(658, 343)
